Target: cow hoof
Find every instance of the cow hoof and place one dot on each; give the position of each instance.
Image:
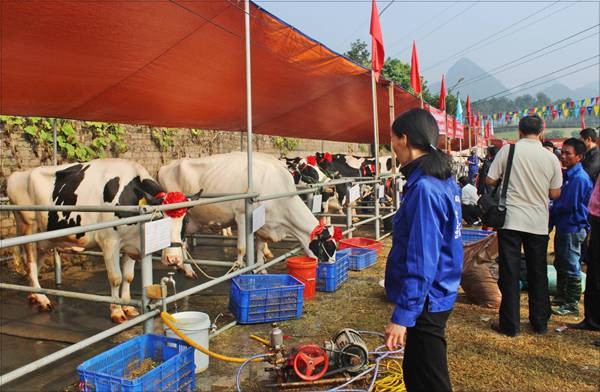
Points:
(238, 265)
(130, 311)
(118, 317)
(42, 302)
(188, 271)
(46, 307)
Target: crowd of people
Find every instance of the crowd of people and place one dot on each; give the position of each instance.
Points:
(550, 189)
(545, 192)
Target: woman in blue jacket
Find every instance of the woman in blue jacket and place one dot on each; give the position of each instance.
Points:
(424, 265)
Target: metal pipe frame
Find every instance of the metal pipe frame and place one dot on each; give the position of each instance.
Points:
(148, 310)
(71, 294)
(216, 263)
(49, 235)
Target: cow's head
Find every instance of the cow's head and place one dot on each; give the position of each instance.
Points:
(173, 255)
(322, 243)
(324, 160)
(332, 198)
(367, 168)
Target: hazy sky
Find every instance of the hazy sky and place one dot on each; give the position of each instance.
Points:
(444, 28)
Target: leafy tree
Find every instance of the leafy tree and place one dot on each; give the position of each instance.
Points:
(359, 53)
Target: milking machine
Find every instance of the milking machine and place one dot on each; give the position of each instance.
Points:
(345, 354)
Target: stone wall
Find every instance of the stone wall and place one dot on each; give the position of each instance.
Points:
(17, 153)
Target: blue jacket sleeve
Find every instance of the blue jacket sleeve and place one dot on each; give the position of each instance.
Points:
(422, 255)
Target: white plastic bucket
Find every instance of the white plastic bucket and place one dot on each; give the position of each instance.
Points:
(196, 326)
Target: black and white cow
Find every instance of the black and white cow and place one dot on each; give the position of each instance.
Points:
(226, 173)
(108, 182)
(305, 171)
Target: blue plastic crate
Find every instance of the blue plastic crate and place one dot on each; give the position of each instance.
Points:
(110, 371)
(330, 276)
(265, 298)
(471, 235)
(361, 258)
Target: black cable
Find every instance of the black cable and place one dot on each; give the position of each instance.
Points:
(422, 25)
(466, 50)
(363, 25)
(501, 68)
(538, 78)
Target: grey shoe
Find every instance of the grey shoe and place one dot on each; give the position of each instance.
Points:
(566, 310)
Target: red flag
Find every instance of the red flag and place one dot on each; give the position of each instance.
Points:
(468, 104)
(377, 55)
(487, 130)
(415, 78)
(442, 102)
(582, 115)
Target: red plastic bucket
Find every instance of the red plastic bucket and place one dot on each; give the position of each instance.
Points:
(304, 269)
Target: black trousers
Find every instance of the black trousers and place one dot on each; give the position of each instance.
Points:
(591, 298)
(425, 363)
(535, 247)
(470, 213)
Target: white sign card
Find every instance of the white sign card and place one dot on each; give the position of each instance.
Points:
(317, 203)
(258, 218)
(354, 193)
(157, 235)
(380, 192)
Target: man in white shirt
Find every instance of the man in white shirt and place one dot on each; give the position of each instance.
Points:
(468, 200)
(535, 179)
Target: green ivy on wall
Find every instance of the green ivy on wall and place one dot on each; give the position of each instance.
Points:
(285, 144)
(89, 141)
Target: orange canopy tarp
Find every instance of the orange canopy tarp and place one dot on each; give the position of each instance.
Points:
(182, 64)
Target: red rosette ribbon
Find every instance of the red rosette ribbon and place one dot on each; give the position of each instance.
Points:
(311, 160)
(317, 230)
(171, 198)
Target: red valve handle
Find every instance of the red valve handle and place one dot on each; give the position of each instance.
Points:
(310, 362)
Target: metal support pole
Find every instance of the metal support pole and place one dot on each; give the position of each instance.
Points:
(57, 268)
(393, 153)
(377, 216)
(146, 279)
(376, 142)
(248, 202)
(348, 212)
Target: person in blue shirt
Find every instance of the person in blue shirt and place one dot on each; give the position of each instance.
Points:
(424, 265)
(569, 214)
(473, 162)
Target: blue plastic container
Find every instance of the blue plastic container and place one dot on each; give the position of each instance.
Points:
(111, 370)
(361, 258)
(265, 298)
(330, 276)
(471, 235)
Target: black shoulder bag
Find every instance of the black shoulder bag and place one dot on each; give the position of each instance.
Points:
(492, 206)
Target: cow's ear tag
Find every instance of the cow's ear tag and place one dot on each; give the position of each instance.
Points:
(143, 201)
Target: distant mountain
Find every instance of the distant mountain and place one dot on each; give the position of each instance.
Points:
(469, 70)
(560, 91)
